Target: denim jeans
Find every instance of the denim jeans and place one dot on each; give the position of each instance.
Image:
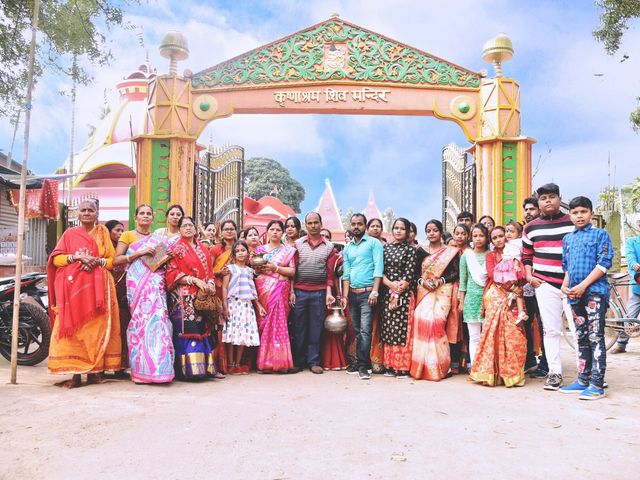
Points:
(307, 322)
(362, 320)
(633, 311)
(588, 317)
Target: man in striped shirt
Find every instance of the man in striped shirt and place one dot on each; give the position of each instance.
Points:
(312, 293)
(542, 259)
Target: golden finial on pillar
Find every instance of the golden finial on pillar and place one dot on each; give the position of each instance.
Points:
(174, 47)
(498, 50)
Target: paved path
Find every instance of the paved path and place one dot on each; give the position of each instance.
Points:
(327, 426)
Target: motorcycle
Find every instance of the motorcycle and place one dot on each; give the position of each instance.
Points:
(34, 328)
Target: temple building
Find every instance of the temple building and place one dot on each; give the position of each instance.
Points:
(372, 210)
(331, 218)
(105, 166)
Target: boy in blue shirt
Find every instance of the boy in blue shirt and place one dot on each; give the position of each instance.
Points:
(587, 255)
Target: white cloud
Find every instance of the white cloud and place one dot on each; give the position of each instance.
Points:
(294, 136)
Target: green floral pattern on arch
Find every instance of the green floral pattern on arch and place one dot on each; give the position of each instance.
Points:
(370, 58)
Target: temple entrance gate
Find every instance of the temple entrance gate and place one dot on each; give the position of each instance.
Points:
(335, 67)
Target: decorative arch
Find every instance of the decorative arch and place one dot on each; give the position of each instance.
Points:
(338, 67)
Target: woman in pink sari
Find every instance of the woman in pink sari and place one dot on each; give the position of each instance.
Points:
(274, 284)
(151, 352)
(430, 358)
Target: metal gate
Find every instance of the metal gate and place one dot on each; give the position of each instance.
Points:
(219, 185)
(458, 185)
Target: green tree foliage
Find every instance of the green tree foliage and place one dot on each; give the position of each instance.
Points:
(614, 20)
(625, 199)
(67, 29)
(346, 218)
(264, 176)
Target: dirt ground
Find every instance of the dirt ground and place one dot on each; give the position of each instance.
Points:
(327, 426)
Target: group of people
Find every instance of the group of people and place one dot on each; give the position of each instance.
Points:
(486, 300)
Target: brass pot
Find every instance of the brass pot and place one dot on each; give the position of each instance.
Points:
(335, 321)
(258, 260)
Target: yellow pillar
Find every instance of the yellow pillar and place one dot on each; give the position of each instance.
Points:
(167, 152)
(502, 153)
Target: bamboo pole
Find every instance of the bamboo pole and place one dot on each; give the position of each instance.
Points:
(23, 185)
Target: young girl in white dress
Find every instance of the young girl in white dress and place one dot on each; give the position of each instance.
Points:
(239, 297)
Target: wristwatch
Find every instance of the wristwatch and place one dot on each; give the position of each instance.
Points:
(374, 293)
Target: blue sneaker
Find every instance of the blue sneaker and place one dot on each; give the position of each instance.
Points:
(575, 387)
(592, 393)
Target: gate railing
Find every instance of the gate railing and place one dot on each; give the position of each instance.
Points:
(219, 185)
(458, 185)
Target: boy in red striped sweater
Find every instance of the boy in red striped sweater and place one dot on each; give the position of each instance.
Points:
(542, 259)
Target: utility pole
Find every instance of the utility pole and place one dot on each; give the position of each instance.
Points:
(23, 188)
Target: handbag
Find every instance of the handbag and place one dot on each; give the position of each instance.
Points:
(208, 306)
(206, 302)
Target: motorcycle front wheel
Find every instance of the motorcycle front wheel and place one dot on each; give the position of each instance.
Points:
(34, 335)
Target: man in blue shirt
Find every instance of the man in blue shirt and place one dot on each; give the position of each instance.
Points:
(587, 255)
(633, 305)
(362, 274)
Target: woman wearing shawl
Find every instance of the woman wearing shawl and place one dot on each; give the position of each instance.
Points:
(430, 358)
(83, 305)
(274, 285)
(221, 257)
(151, 352)
(189, 271)
(502, 348)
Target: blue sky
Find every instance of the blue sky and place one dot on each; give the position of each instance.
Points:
(578, 118)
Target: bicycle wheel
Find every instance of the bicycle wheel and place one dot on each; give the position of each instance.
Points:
(612, 326)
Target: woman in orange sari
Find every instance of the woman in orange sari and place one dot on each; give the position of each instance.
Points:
(83, 304)
(502, 349)
(221, 257)
(430, 358)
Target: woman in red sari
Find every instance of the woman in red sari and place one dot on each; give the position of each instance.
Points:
(333, 354)
(189, 271)
(430, 358)
(83, 304)
(502, 349)
(221, 257)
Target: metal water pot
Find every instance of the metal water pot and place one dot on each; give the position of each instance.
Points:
(335, 321)
(258, 260)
